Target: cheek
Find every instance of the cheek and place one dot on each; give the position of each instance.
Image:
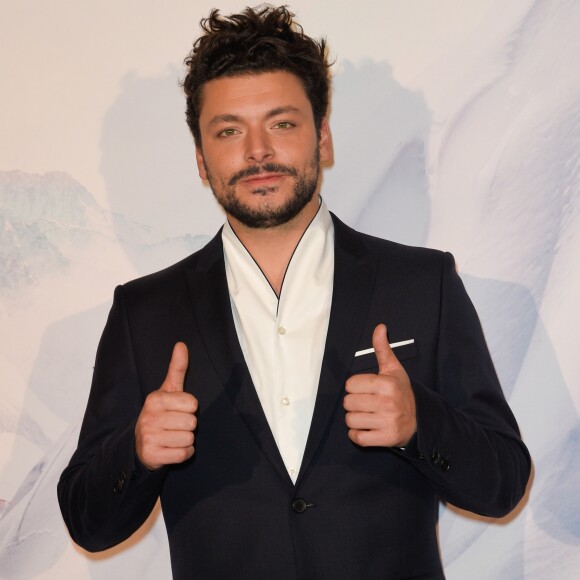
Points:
(221, 161)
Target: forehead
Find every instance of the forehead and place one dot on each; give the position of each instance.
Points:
(252, 95)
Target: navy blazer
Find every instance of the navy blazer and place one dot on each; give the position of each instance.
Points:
(232, 511)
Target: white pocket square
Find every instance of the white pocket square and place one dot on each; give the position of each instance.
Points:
(392, 345)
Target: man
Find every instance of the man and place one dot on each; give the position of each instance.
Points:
(252, 386)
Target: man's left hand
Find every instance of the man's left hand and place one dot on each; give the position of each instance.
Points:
(380, 409)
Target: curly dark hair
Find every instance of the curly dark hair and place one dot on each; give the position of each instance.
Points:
(261, 39)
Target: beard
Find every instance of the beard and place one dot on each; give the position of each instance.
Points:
(268, 215)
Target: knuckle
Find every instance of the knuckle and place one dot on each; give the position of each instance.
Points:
(195, 404)
(155, 395)
(347, 402)
(185, 454)
(148, 453)
(188, 402)
(385, 402)
(148, 440)
(358, 437)
(146, 423)
(154, 400)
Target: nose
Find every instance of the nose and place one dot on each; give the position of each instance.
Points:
(258, 146)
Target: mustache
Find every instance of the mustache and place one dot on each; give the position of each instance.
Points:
(258, 169)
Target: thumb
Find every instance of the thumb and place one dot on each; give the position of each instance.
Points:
(385, 355)
(177, 368)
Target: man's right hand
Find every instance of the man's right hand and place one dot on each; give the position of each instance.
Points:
(164, 430)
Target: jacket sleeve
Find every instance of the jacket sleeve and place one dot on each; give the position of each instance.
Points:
(105, 494)
(467, 441)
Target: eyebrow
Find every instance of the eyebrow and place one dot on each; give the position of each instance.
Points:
(229, 118)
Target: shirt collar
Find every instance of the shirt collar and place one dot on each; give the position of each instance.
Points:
(313, 238)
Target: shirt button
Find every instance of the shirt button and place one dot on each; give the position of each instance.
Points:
(292, 471)
(281, 330)
(285, 401)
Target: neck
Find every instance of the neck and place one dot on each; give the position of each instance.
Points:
(272, 248)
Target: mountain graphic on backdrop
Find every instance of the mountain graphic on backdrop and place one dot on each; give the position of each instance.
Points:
(47, 222)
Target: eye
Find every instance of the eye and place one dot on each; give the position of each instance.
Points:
(227, 132)
(284, 125)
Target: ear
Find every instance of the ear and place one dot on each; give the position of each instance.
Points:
(200, 163)
(325, 143)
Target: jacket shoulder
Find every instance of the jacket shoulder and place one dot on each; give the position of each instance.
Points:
(395, 256)
(174, 276)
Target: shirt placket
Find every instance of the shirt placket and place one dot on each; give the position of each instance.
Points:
(284, 397)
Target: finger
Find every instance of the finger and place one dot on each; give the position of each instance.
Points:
(180, 402)
(173, 455)
(364, 402)
(178, 421)
(177, 368)
(175, 439)
(369, 438)
(161, 401)
(364, 383)
(364, 421)
(384, 353)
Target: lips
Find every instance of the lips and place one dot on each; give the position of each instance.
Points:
(262, 179)
(261, 174)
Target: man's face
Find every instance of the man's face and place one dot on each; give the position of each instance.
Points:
(259, 147)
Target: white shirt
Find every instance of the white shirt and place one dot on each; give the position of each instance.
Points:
(283, 339)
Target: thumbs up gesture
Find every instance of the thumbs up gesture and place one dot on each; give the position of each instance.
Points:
(380, 409)
(164, 429)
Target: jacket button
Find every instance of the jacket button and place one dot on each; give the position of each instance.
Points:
(444, 465)
(299, 505)
(435, 458)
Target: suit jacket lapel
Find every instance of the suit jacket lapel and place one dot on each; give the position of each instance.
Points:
(354, 277)
(213, 314)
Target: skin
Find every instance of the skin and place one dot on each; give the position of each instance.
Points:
(380, 409)
(259, 146)
(249, 122)
(164, 433)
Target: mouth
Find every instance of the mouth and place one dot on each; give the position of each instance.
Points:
(263, 179)
(269, 173)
